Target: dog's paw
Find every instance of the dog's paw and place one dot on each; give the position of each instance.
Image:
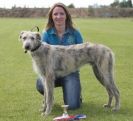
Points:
(115, 109)
(45, 113)
(106, 106)
(43, 108)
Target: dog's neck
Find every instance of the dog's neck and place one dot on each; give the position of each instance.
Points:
(36, 48)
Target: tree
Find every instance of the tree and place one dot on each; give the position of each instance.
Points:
(123, 4)
(126, 4)
(129, 3)
(71, 6)
(115, 3)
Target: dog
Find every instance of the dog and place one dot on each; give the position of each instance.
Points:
(53, 61)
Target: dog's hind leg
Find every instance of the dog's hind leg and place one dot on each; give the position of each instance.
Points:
(108, 105)
(112, 92)
(100, 78)
(103, 71)
(117, 98)
(109, 78)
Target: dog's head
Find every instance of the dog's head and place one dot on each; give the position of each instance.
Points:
(31, 40)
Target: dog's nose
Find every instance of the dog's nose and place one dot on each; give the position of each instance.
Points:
(27, 47)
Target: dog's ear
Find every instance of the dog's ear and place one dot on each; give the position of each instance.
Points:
(38, 36)
(20, 35)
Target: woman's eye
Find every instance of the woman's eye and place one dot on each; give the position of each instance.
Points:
(61, 13)
(56, 14)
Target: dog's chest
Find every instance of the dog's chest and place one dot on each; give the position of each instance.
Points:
(39, 67)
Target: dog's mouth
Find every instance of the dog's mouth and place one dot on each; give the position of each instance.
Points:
(27, 48)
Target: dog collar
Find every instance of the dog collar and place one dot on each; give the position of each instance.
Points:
(37, 47)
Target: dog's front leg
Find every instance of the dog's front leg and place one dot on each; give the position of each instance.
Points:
(43, 107)
(48, 97)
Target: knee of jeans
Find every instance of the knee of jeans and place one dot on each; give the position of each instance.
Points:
(39, 86)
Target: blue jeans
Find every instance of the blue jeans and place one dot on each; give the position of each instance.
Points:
(71, 89)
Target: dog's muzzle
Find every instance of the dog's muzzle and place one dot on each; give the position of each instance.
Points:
(27, 47)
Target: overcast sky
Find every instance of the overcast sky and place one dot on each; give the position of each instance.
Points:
(49, 3)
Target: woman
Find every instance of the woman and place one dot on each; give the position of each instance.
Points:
(60, 31)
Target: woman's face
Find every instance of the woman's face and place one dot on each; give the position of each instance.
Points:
(59, 16)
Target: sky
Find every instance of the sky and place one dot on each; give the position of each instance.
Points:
(49, 3)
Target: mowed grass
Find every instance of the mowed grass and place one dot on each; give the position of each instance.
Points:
(19, 100)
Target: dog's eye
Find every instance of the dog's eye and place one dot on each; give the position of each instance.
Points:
(24, 38)
(32, 38)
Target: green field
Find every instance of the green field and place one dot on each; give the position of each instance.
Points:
(19, 100)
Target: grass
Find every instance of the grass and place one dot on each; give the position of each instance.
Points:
(19, 100)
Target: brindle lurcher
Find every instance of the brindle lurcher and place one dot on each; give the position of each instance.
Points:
(52, 61)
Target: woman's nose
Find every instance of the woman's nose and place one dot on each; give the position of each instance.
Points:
(58, 16)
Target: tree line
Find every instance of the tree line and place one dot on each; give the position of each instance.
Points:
(122, 4)
(116, 3)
